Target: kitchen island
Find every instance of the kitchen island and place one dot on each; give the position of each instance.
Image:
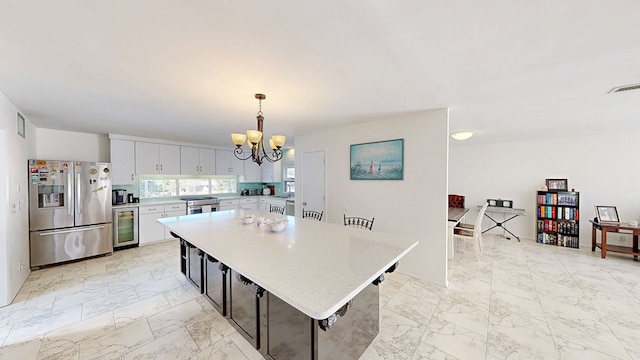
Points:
(307, 292)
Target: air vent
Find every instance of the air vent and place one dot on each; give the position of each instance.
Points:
(624, 88)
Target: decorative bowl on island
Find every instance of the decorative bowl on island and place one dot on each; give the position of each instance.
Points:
(248, 219)
(276, 225)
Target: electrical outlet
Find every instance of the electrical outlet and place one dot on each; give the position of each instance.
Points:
(22, 267)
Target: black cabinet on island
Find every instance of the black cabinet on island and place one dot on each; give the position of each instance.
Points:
(309, 291)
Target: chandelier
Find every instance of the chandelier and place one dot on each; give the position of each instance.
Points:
(255, 141)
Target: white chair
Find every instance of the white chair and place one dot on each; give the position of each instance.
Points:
(473, 232)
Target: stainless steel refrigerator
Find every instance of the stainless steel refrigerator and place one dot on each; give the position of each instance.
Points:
(69, 210)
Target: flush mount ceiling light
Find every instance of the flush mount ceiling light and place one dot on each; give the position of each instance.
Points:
(461, 135)
(255, 140)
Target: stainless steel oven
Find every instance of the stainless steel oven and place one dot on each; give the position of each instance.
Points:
(202, 204)
(125, 226)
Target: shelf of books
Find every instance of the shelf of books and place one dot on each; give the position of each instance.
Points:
(559, 218)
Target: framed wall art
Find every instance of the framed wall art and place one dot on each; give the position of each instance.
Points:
(381, 160)
(21, 125)
(557, 184)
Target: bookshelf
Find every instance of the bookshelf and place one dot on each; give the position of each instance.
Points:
(558, 221)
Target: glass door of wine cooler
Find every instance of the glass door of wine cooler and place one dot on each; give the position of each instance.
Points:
(125, 226)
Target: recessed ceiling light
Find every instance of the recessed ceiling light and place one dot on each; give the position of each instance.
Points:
(461, 135)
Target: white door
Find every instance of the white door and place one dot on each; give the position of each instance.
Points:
(313, 189)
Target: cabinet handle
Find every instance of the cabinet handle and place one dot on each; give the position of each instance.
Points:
(160, 167)
(131, 176)
(156, 167)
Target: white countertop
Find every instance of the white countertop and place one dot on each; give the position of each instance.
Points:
(314, 266)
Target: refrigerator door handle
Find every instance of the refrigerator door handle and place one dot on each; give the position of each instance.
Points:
(78, 194)
(68, 193)
(71, 231)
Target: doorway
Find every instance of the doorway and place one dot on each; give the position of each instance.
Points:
(313, 181)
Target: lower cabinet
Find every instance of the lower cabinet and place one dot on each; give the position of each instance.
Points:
(196, 267)
(229, 204)
(184, 256)
(149, 229)
(291, 334)
(244, 307)
(216, 283)
(264, 204)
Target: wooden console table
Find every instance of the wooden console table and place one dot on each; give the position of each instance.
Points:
(615, 228)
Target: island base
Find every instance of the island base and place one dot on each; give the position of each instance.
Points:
(272, 326)
(290, 334)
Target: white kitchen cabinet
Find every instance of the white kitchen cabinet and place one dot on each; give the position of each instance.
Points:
(252, 172)
(228, 164)
(150, 230)
(265, 202)
(271, 172)
(229, 204)
(123, 166)
(154, 158)
(248, 203)
(197, 161)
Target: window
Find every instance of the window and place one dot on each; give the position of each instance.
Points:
(194, 187)
(290, 186)
(290, 172)
(171, 186)
(158, 188)
(223, 186)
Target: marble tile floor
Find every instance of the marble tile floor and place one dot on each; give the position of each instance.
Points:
(520, 301)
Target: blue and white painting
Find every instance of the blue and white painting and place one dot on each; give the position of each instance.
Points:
(382, 160)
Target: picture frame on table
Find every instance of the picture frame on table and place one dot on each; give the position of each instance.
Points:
(557, 184)
(380, 160)
(607, 214)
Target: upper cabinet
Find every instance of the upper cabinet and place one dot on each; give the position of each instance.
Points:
(157, 158)
(197, 161)
(252, 172)
(271, 172)
(228, 164)
(123, 167)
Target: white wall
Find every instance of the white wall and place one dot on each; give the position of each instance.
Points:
(415, 206)
(14, 218)
(600, 167)
(69, 145)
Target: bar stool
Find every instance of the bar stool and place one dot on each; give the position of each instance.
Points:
(310, 214)
(358, 222)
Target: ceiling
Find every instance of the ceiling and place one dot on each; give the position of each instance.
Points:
(188, 70)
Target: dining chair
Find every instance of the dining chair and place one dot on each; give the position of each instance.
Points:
(358, 222)
(276, 209)
(472, 231)
(310, 214)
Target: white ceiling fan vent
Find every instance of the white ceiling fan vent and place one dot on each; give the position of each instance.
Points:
(624, 88)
